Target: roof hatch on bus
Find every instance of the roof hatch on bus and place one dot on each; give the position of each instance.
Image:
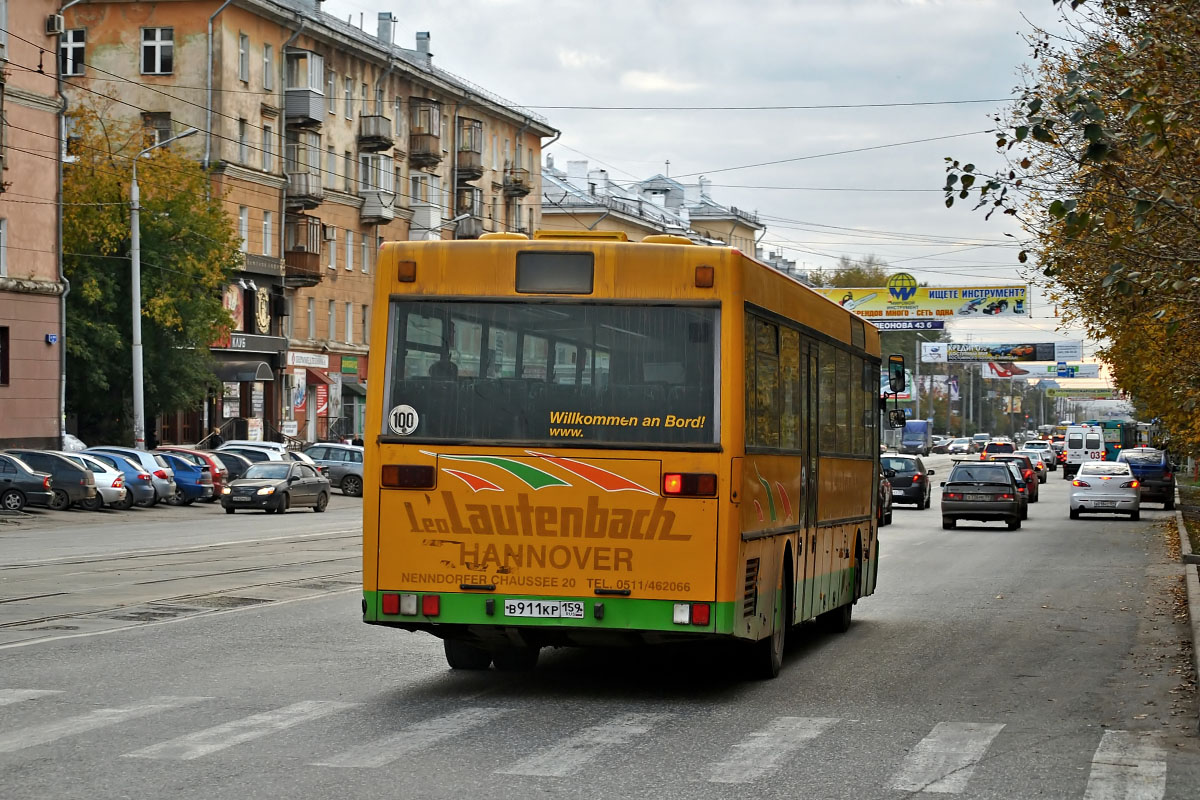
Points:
(542, 272)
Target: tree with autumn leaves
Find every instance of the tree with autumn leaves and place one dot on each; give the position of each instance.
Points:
(189, 250)
(1102, 170)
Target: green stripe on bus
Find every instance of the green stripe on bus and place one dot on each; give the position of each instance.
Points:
(532, 476)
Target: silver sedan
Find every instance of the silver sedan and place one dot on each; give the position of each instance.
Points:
(1105, 487)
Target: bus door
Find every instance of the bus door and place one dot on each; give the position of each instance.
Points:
(808, 444)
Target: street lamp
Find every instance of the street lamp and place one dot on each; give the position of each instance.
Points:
(135, 258)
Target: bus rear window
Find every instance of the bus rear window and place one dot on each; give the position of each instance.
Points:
(561, 373)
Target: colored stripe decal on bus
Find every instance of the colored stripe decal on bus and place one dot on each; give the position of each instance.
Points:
(476, 483)
(531, 476)
(608, 481)
(766, 488)
(784, 501)
(758, 508)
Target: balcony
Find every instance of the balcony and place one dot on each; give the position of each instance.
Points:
(378, 206)
(424, 150)
(470, 165)
(304, 96)
(517, 182)
(375, 133)
(469, 228)
(301, 269)
(468, 200)
(304, 189)
(262, 265)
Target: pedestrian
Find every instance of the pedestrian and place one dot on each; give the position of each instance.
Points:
(357, 441)
(215, 439)
(151, 440)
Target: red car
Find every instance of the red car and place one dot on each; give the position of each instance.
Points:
(220, 476)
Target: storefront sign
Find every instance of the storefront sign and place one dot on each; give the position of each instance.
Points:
(231, 401)
(254, 429)
(902, 298)
(256, 399)
(299, 389)
(335, 394)
(322, 400)
(318, 360)
(350, 365)
(233, 302)
(251, 343)
(289, 427)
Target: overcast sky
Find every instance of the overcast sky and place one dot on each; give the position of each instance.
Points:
(656, 54)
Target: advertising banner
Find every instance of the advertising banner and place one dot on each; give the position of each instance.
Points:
(957, 352)
(299, 389)
(885, 386)
(1072, 370)
(1101, 393)
(322, 400)
(934, 352)
(1005, 369)
(902, 298)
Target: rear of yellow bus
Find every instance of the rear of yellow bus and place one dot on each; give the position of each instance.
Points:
(544, 446)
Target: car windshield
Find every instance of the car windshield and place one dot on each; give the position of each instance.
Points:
(980, 473)
(1030, 454)
(1104, 469)
(899, 464)
(274, 471)
(961, 441)
(1154, 457)
(1000, 447)
(1037, 445)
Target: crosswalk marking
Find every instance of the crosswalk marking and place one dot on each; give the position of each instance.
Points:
(381, 752)
(10, 696)
(764, 750)
(944, 760)
(1127, 766)
(210, 740)
(573, 752)
(99, 718)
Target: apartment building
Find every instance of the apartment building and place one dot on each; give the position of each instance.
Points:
(583, 198)
(31, 284)
(324, 140)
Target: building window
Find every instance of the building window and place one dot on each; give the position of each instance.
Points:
(366, 324)
(71, 51)
(333, 248)
(244, 225)
(349, 251)
(332, 321)
(378, 99)
(158, 51)
(399, 116)
(349, 322)
(312, 318)
(159, 124)
(331, 90)
(289, 326)
(268, 237)
(495, 151)
(3, 248)
(243, 144)
(348, 97)
(365, 252)
(375, 172)
(330, 167)
(268, 148)
(268, 67)
(4, 355)
(243, 57)
(304, 71)
(363, 95)
(348, 166)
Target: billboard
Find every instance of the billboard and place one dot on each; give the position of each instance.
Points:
(902, 298)
(960, 352)
(1101, 393)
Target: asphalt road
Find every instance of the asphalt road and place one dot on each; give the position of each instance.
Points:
(1046, 662)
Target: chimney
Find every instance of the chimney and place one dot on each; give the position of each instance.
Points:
(577, 174)
(691, 193)
(704, 184)
(600, 178)
(423, 48)
(387, 27)
(549, 162)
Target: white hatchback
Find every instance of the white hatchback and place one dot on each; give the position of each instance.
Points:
(1105, 487)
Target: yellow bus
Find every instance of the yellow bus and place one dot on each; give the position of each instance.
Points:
(579, 440)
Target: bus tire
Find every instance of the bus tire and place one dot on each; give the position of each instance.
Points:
(767, 654)
(838, 620)
(515, 658)
(460, 655)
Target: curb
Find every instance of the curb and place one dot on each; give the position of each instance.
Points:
(1191, 577)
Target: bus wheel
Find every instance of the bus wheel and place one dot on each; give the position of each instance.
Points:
(838, 620)
(515, 658)
(767, 658)
(460, 655)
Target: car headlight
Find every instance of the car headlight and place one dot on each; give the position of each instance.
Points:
(266, 490)
(227, 490)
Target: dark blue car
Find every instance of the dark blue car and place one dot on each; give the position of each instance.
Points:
(192, 482)
(1155, 473)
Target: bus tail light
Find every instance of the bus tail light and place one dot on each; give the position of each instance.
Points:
(690, 484)
(704, 276)
(407, 476)
(700, 613)
(390, 604)
(691, 614)
(406, 271)
(431, 605)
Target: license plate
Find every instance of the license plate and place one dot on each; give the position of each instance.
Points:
(562, 609)
(978, 498)
(1106, 504)
(241, 499)
(896, 492)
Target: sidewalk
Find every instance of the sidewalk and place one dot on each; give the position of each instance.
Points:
(1191, 576)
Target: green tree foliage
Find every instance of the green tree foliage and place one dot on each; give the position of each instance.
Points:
(1102, 170)
(189, 250)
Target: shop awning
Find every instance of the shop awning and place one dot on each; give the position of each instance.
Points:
(317, 377)
(241, 371)
(353, 387)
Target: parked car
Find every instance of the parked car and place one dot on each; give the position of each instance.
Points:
(344, 462)
(910, 484)
(1155, 474)
(21, 485)
(253, 453)
(883, 513)
(192, 481)
(983, 492)
(1028, 473)
(233, 463)
(275, 487)
(1039, 466)
(994, 448)
(1046, 448)
(139, 484)
(251, 443)
(1106, 487)
(160, 471)
(961, 446)
(110, 483)
(72, 444)
(71, 483)
(217, 468)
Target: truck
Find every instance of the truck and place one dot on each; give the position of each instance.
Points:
(917, 438)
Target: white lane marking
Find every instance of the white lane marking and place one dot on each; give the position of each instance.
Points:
(100, 718)
(10, 696)
(765, 750)
(944, 760)
(210, 740)
(573, 752)
(416, 737)
(1127, 766)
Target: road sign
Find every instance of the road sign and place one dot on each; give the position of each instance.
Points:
(910, 325)
(1063, 370)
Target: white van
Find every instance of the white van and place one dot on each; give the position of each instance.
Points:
(1084, 443)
